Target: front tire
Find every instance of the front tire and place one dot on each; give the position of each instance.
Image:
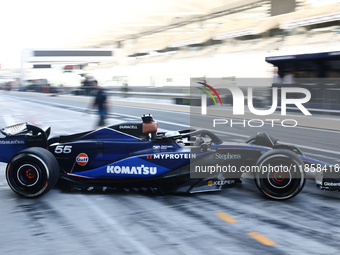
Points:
(32, 172)
(280, 174)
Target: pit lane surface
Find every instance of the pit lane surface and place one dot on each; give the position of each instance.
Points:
(234, 221)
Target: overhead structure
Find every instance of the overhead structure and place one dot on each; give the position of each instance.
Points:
(44, 58)
(311, 16)
(170, 19)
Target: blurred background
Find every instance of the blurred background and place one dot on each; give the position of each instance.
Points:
(151, 48)
(143, 53)
(136, 47)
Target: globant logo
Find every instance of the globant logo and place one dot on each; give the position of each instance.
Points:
(332, 183)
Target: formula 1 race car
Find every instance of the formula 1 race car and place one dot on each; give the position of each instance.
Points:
(136, 156)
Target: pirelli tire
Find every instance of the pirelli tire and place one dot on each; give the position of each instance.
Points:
(32, 172)
(280, 174)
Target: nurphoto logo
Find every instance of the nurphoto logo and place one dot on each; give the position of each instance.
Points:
(238, 100)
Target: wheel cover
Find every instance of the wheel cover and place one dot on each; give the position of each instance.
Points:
(29, 178)
(281, 184)
(28, 175)
(280, 179)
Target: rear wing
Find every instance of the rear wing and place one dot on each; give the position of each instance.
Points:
(14, 129)
(34, 136)
(24, 129)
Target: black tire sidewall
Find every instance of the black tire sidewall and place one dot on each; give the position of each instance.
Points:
(298, 176)
(44, 162)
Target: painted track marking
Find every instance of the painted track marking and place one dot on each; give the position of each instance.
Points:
(226, 217)
(261, 238)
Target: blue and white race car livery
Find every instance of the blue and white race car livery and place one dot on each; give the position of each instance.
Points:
(136, 156)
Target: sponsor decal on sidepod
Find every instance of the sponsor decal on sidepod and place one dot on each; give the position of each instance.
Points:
(332, 183)
(128, 127)
(82, 159)
(133, 170)
(171, 156)
(227, 156)
(162, 147)
(218, 183)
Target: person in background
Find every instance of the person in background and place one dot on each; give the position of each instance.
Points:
(100, 102)
(87, 85)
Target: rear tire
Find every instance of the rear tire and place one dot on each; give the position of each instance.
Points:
(280, 182)
(32, 172)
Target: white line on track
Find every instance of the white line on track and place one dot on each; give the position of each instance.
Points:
(315, 149)
(188, 113)
(231, 133)
(298, 145)
(158, 110)
(247, 136)
(244, 136)
(321, 156)
(215, 117)
(142, 249)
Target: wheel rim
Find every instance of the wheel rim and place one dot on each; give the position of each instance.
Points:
(281, 184)
(32, 172)
(280, 179)
(28, 175)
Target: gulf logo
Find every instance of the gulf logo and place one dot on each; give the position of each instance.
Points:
(82, 159)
